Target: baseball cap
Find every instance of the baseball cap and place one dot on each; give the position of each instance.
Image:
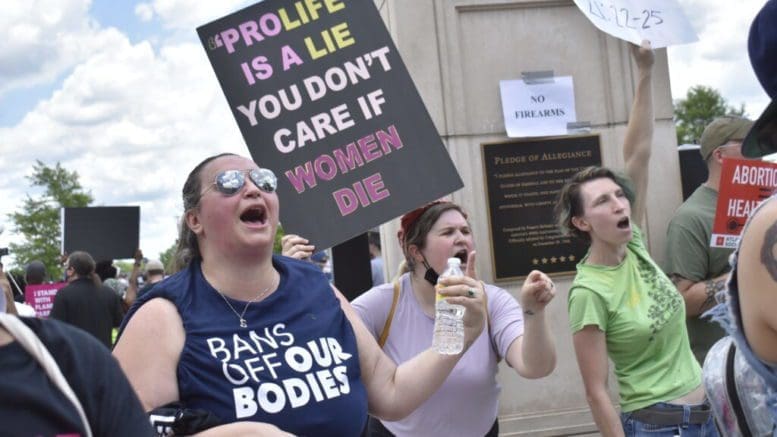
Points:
(154, 264)
(762, 48)
(721, 131)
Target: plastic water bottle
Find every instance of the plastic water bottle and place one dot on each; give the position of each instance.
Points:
(448, 319)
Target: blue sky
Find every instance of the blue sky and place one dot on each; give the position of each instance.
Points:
(70, 71)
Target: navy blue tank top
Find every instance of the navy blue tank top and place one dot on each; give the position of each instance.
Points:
(295, 365)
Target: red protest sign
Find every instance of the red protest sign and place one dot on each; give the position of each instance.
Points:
(41, 297)
(743, 185)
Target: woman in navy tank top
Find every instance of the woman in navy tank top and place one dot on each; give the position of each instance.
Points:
(255, 343)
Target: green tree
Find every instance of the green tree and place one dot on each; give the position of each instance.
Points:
(38, 220)
(699, 107)
(166, 257)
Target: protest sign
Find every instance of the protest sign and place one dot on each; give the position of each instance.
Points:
(743, 185)
(662, 23)
(538, 109)
(41, 297)
(322, 98)
(105, 232)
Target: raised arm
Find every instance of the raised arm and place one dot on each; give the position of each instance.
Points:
(394, 391)
(132, 289)
(533, 355)
(639, 132)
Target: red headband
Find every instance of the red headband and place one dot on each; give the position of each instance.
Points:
(411, 217)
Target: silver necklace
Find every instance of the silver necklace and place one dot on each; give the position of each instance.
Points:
(241, 316)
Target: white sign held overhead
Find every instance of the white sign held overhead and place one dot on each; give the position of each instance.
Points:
(662, 22)
(538, 109)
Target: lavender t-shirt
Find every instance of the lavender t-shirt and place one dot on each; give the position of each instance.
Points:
(467, 402)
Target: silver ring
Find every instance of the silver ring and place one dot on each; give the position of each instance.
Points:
(471, 292)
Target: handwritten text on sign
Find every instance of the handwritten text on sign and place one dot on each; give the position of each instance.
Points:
(662, 23)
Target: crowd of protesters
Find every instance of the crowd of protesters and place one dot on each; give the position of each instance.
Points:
(238, 340)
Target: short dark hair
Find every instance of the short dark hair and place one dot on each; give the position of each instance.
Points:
(82, 263)
(105, 269)
(35, 272)
(570, 201)
(374, 238)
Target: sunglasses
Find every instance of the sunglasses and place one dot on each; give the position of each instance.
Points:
(229, 182)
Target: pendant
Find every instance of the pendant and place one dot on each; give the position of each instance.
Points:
(243, 323)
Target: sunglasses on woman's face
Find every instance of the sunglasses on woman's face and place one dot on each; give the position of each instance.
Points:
(229, 182)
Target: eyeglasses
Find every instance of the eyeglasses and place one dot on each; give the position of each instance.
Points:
(229, 182)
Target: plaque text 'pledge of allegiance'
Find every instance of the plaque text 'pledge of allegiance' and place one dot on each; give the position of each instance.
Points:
(523, 179)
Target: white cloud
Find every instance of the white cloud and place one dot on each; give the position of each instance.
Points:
(719, 59)
(132, 121)
(187, 15)
(144, 11)
(44, 39)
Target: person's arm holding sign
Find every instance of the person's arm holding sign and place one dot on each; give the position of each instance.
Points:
(590, 342)
(639, 132)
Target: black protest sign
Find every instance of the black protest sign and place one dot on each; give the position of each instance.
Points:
(322, 98)
(523, 179)
(105, 232)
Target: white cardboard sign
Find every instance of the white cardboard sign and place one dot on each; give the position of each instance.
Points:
(662, 22)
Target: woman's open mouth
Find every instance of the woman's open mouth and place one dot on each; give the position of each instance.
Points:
(462, 255)
(256, 216)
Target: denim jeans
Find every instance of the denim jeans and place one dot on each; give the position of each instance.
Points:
(635, 428)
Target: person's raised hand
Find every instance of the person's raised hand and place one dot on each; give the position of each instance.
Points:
(643, 55)
(295, 246)
(138, 257)
(537, 291)
(470, 293)
(471, 266)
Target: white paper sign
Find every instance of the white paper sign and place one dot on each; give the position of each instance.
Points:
(661, 22)
(539, 109)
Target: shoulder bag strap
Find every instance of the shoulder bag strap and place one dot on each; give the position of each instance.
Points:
(733, 396)
(387, 326)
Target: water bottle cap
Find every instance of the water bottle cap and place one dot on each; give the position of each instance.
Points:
(455, 261)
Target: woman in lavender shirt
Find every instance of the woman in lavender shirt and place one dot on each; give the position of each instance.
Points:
(467, 402)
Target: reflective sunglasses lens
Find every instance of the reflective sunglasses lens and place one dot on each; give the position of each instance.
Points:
(230, 182)
(264, 179)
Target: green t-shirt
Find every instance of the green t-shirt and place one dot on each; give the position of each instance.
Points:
(643, 318)
(688, 254)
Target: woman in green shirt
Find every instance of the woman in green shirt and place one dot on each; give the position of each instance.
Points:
(621, 304)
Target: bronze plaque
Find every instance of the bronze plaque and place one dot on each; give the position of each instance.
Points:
(523, 179)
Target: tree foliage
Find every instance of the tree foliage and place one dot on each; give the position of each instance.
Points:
(700, 106)
(38, 221)
(167, 257)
